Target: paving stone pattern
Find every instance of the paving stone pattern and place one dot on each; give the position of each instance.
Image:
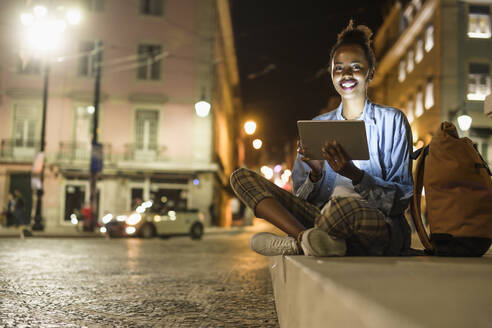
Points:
(176, 282)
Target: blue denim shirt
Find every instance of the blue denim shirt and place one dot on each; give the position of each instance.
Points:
(387, 183)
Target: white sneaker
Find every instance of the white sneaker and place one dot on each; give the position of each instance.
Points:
(269, 244)
(316, 242)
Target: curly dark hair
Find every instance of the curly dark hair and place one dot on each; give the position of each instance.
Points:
(361, 36)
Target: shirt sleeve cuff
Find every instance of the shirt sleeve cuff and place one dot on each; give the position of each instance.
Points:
(366, 184)
(307, 187)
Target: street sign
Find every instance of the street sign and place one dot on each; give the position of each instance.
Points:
(96, 158)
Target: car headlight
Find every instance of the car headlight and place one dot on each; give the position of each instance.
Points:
(107, 218)
(134, 219)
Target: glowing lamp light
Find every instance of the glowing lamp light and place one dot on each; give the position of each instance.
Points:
(134, 219)
(202, 108)
(172, 215)
(267, 171)
(147, 204)
(73, 218)
(257, 143)
(45, 35)
(196, 182)
(107, 218)
(464, 122)
(74, 16)
(59, 25)
(103, 230)
(27, 19)
(91, 109)
(249, 127)
(277, 168)
(279, 182)
(130, 230)
(40, 11)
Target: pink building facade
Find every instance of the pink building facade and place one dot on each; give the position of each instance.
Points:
(157, 62)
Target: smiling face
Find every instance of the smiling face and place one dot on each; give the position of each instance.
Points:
(349, 71)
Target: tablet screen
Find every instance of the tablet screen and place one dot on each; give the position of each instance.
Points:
(351, 135)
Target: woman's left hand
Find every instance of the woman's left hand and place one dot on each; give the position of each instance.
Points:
(340, 161)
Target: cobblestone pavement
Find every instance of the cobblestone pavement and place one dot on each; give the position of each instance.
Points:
(177, 282)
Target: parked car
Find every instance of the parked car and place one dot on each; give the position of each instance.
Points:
(148, 221)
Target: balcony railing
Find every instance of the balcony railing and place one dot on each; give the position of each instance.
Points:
(18, 150)
(76, 152)
(137, 152)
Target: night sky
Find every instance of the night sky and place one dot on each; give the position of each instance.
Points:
(282, 49)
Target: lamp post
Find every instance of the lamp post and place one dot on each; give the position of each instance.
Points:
(96, 164)
(38, 217)
(43, 35)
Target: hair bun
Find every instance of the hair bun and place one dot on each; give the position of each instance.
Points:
(361, 33)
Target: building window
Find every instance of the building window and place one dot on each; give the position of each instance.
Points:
(429, 94)
(410, 110)
(419, 103)
(419, 50)
(146, 129)
(25, 119)
(88, 59)
(478, 81)
(479, 22)
(410, 62)
(151, 7)
(149, 58)
(429, 38)
(28, 66)
(402, 73)
(83, 124)
(94, 5)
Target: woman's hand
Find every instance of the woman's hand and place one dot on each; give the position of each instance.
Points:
(340, 162)
(315, 165)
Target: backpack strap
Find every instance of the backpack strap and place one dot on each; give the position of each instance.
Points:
(415, 210)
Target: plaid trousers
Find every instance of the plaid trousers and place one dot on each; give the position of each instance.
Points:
(363, 227)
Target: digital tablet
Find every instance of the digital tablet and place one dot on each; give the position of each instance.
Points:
(351, 135)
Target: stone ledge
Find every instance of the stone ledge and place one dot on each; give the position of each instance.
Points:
(382, 291)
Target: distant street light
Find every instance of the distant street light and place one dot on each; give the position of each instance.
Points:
(74, 16)
(266, 171)
(202, 107)
(257, 143)
(250, 127)
(464, 122)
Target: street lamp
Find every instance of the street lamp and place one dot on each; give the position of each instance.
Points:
(202, 107)
(257, 143)
(464, 121)
(250, 127)
(43, 35)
